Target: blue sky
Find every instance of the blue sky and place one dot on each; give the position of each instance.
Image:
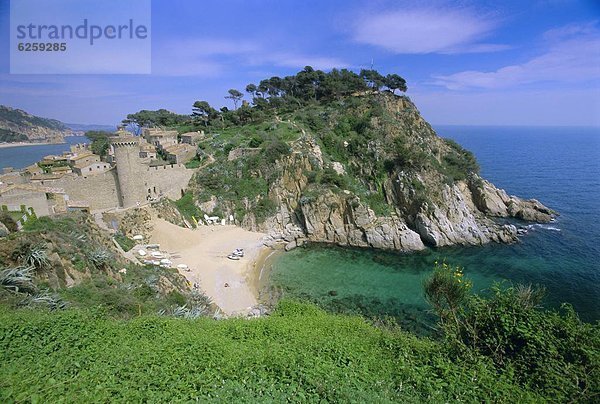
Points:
(531, 62)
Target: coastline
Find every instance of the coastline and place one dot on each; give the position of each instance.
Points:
(21, 144)
(230, 284)
(258, 275)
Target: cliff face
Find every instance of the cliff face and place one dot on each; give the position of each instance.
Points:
(463, 216)
(397, 185)
(18, 125)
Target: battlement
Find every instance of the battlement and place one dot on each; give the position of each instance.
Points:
(166, 167)
(125, 143)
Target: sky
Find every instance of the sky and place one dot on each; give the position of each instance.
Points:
(533, 62)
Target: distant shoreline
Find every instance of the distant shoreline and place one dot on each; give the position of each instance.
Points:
(19, 144)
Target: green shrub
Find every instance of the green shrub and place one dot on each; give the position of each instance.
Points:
(552, 353)
(125, 242)
(186, 206)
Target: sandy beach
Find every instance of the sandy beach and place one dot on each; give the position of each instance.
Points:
(19, 144)
(204, 250)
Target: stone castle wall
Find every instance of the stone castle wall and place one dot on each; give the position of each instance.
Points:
(100, 190)
(170, 180)
(131, 183)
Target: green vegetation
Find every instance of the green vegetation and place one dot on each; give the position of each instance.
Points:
(552, 353)
(458, 163)
(9, 219)
(125, 242)
(100, 141)
(193, 163)
(36, 263)
(186, 206)
(300, 353)
(356, 118)
(8, 136)
(161, 118)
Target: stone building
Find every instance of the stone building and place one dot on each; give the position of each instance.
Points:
(82, 159)
(80, 181)
(159, 137)
(192, 138)
(86, 169)
(180, 153)
(147, 151)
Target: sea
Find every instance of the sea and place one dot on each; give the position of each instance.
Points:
(23, 156)
(559, 166)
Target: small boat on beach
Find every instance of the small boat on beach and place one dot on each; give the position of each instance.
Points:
(233, 257)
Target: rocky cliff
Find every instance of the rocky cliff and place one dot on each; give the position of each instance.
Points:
(373, 173)
(17, 125)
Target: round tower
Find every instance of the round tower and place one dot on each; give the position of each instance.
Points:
(129, 170)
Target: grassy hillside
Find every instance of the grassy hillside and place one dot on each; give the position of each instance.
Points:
(298, 354)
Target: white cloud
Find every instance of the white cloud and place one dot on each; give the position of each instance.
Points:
(572, 56)
(212, 57)
(419, 31)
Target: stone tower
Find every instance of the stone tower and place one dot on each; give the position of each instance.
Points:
(129, 170)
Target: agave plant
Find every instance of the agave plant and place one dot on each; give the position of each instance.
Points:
(199, 298)
(44, 298)
(192, 312)
(35, 256)
(19, 280)
(100, 258)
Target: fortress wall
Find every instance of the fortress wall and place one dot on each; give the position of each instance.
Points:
(168, 180)
(99, 190)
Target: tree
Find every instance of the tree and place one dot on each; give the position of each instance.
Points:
(372, 78)
(251, 89)
(100, 141)
(395, 82)
(204, 111)
(235, 96)
(145, 118)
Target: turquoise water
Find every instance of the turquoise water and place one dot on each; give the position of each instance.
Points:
(558, 166)
(22, 156)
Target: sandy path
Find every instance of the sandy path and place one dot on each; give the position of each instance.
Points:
(205, 251)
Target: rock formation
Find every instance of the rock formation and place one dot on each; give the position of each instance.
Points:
(429, 190)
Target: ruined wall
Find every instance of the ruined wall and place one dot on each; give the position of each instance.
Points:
(17, 197)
